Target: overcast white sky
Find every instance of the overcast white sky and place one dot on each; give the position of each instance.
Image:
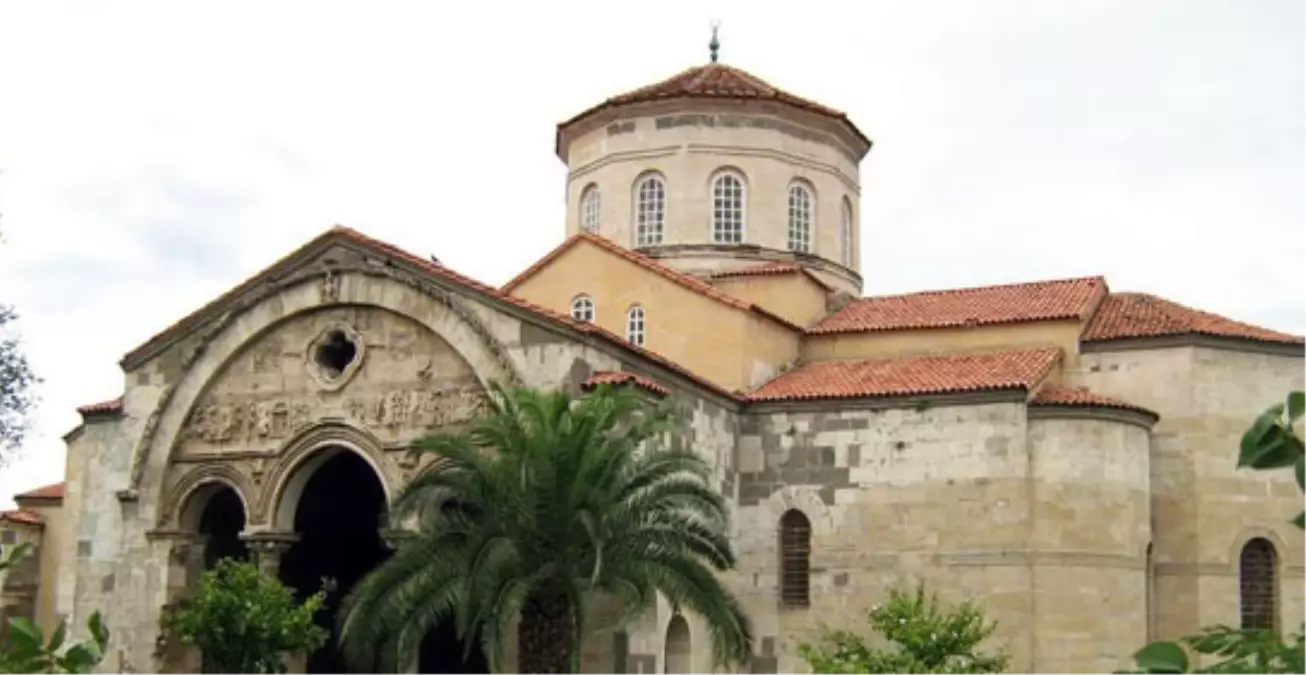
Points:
(153, 155)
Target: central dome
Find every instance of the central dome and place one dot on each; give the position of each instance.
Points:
(714, 170)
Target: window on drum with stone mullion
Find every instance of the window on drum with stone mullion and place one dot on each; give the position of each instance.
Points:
(800, 219)
(650, 211)
(728, 209)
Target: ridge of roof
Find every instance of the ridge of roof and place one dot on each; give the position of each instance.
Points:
(713, 81)
(690, 282)
(911, 376)
(1079, 397)
(1129, 315)
(1047, 300)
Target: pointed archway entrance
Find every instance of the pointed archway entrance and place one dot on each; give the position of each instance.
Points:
(338, 516)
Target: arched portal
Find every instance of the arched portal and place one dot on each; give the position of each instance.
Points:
(220, 522)
(676, 658)
(338, 513)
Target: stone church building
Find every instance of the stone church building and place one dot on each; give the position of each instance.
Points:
(1060, 451)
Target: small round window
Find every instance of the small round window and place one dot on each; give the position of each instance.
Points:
(335, 355)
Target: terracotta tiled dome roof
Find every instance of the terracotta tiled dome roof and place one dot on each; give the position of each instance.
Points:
(713, 81)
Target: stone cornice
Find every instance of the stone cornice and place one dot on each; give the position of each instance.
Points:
(750, 251)
(1102, 413)
(1193, 340)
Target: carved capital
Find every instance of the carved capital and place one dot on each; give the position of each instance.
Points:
(396, 537)
(268, 547)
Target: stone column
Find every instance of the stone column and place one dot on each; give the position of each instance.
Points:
(268, 547)
(185, 555)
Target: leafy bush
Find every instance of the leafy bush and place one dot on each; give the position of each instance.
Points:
(1270, 443)
(247, 622)
(925, 637)
(30, 652)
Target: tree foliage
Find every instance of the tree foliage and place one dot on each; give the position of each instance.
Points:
(539, 504)
(29, 651)
(1270, 443)
(16, 384)
(923, 637)
(247, 622)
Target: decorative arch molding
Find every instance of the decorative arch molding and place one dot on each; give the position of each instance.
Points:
(296, 461)
(178, 513)
(805, 500)
(1257, 532)
(382, 286)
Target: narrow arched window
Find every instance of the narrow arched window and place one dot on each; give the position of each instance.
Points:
(635, 326)
(582, 308)
(1149, 593)
(795, 559)
(589, 209)
(846, 233)
(728, 209)
(800, 219)
(1258, 588)
(650, 211)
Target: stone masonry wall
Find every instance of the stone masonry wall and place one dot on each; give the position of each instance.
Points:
(1203, 510)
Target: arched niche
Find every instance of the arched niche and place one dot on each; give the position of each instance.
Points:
(677, 653)
(304, 454)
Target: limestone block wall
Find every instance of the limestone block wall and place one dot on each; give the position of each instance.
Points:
(938, 493)
(1203, 510)
(1091, 528)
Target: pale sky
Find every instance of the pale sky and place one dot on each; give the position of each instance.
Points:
(154, 155)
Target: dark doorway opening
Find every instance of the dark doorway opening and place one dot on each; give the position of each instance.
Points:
(338, 518)
(221, 523)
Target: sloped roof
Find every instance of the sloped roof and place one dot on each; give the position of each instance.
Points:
(714, 81)
(685, 280)
(1140, 315)
(23, 517)
(618, 379)
(772, 269)
(111, 406)
(425, 266)
(1070, 397)
(986, 305)
(911, 376)
(52, 491)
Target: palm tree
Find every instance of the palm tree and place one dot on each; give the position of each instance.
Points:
(543, 502)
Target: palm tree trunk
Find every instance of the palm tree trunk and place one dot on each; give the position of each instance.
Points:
(544, 636)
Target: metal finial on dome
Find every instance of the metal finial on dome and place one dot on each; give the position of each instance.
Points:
(715, 44)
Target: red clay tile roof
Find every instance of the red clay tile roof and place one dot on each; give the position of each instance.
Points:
(23, 517)
(613, 378)
(714, 81)
(1139, 315)
(772, 269)
(102, 407)
(52, 491)
(1010, 303)
(1080, 398)
(690, 282)
(910, 376)
(436, 270)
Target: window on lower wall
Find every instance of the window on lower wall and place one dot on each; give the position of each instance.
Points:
(795, 559)
(1258, 587)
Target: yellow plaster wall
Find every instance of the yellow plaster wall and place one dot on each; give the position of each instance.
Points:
(729, 346)
(51, 541)
(792, 296)
(1038, 334)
